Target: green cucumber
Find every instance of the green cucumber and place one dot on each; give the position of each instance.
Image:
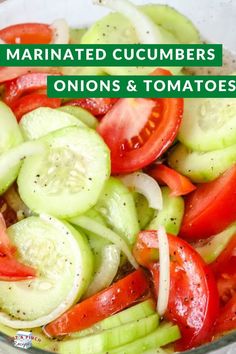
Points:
(67, 179)
(201, 166)
(80, 113)
(212, 247)
(173, 21)
(171, 215)
(116, 205)
(64, 262)
(134, 313)
(162, 336)
(10, 134)
(208, 123)
(110, 338)
(76, 34)
(82, 71)
(45, 120)
(144, 212)
(10, 162)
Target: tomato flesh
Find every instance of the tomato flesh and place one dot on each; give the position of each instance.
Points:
(227, 319)
(27, 33)
(117, 297)
(211, 208)
(193, 299)
(96, 106)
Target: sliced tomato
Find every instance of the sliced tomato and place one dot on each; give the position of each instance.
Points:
(211, 208)
(193, 299)
(13, 270)
(226, 321)
(23, 84)
(97, 106)
(32, 101)
(27, 33)
(6, 247)
(138, 131)
(117, 297)
(179, 185)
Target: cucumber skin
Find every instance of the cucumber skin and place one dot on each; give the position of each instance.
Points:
(80, 113)
(76, 34)
(109, 339)
(171, 215)
(201, 167)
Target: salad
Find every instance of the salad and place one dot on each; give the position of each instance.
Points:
(117, 216)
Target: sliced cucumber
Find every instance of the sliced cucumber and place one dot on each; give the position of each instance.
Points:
(80, 113)
(45, 120)
(82, 71)
(68, 178)
(10, 162)
(76, 34)
(216, 244)
(162, 336)
(134, 313)
(117, 206)
(108, 339)
(173, 21)
(145, 213)
(10, 134)
(171, 215)
(202, 166)
(208, 123)
(64, 262)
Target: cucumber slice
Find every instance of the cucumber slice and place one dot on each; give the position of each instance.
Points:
(64, 264)
(10, 134)
(108, 339)
(202, 166)
(10, 162)
(82, 71)
(163, 335)
(145, 213)
(80, 113)
(208, 123)
(76, 34)
(68, 178)
(173, 21)
(134, 313)
(171, 215)
(216, 244)
(116, 205)
(45, 120)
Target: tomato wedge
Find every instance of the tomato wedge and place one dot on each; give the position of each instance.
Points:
(97, 106)
(179, 185)
(193, 299)
(117, 297)
(138, 131)
(226, 321)
(27, 33)
(32, 101)
(211, 208)
(23, 84)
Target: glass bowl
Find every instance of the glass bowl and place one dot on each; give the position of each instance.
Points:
(212, 18)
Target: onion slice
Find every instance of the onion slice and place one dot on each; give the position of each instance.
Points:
(146, 185)
(89, 224)
(164, 281)
(61, 34)
(146, 30)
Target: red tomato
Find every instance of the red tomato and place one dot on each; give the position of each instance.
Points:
(21, 85)
(139, 130)
(179, 185)
(27, 33)
(32, 101)
(226, 321)
(117, 297)
(193, 299)
(96, 106)
(6, 248)
(211, 208)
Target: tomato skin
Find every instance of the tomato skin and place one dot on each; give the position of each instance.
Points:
(227, 319)
(96, 106)
(21, 85)
(193, 299)
(27, 33)
(101, 305)
(115, 130)
(210, 208)
(179, 184)
(32, 101)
